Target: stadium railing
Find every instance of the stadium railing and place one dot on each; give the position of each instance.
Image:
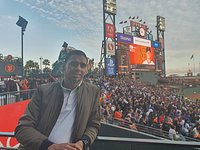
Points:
(16, 96)
(119, 143)
(145, 129)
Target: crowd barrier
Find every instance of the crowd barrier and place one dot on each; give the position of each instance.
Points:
(119, 143)
(145, 129)
(12, 97)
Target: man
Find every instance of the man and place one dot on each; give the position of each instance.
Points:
(148, 60)
(62, 115)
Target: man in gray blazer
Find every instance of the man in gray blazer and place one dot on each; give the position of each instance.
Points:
(62, 115)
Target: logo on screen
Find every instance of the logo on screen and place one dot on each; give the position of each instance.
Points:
(9, 68)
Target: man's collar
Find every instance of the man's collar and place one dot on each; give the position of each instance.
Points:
(67, 89)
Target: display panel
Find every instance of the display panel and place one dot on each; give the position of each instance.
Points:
(123, 61)
(9, 68)
(141, 55)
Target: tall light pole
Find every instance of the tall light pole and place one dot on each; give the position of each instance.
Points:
(41, 58)
(22, 23)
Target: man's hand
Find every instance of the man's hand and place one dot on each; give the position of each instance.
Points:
(78, 145)
(67, 146)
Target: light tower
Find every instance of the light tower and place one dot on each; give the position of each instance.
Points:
(108, 53)
(22, 23)
(160, 38)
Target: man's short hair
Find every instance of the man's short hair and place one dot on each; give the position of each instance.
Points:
(75, 52)
(148, 49)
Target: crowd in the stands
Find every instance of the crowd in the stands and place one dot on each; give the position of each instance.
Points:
(149, 105)
(137, 103)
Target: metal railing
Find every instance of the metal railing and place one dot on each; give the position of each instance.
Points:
(16, 96)
(119, 143)
(146, 129)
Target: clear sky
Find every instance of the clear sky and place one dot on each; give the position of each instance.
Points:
(80, 24)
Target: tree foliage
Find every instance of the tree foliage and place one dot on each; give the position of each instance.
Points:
(31, 67)
(46, 62)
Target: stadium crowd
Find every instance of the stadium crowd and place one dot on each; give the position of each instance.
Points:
(135, 102)
(149, 105)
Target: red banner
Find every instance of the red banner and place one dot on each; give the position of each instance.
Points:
(9, 116)
(110, 31)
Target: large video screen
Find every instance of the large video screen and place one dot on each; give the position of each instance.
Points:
(141, 55)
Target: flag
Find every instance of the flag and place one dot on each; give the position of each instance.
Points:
(192, 56)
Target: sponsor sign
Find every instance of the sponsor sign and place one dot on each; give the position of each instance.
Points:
(110, 48)
(124, 38)
(110, 66)
(142, 42)
(110, 31)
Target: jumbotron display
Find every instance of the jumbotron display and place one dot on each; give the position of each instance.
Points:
(141, 55)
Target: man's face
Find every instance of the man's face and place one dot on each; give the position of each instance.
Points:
(75, 69)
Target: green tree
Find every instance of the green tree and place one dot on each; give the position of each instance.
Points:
(47, 70)
(31, 67)
(46, 62)
(1, 56)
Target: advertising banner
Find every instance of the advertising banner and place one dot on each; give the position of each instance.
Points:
(141, 55)
(110, 66)
(110, 31)
(9, 115)
(142, 42)
(124, 38)
(110, 48)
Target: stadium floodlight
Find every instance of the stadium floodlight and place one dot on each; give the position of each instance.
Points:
(22, 23)
(110, 6)
(161, 23)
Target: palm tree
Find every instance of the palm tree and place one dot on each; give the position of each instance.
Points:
(1, 56)
(36, 68)
(47, 70)
(31, 67)
(46, 63)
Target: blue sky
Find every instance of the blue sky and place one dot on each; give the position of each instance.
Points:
(80, 24)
